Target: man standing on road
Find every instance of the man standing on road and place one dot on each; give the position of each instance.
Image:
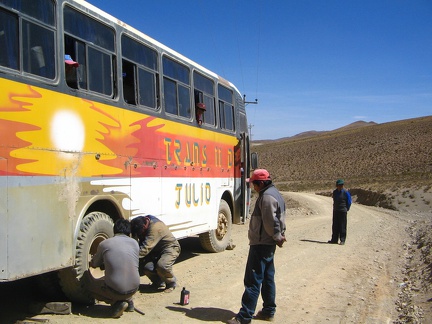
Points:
(119, 256)
(159, 250)
(341, 206)
(266, 230)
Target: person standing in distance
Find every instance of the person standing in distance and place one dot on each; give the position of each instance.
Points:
(341, 205)
(266, 230)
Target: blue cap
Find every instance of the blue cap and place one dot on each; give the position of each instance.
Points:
(68, 60)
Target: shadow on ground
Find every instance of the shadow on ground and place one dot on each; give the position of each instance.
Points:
(205, 314)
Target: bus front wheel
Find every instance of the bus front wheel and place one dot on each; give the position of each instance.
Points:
(95, 227)
(218, 239)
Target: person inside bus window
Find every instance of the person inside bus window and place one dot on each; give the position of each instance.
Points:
(71, 72)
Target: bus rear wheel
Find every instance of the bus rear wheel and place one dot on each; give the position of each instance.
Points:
(218, 239)
(95, 228)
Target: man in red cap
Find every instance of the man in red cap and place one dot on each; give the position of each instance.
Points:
(266, 230)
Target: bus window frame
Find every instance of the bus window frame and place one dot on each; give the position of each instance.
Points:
(179, 84)
(223, 104)
(84, 70)
(137, 68)
(207, 97)
(39, 54)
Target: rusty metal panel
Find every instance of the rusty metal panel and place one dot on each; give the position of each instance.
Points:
(39, 228)
(3, 220)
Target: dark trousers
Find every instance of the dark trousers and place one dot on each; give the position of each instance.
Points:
(159, 268)
(339, 227)
(259, 278)
(100, 291)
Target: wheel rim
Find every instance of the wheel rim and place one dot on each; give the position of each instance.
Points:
(96, 272)
(222, 226)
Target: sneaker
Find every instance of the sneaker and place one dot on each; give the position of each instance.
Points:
(236, 320)
(170, 287)
(264, 317)
(118, 308)
(342, 243)
(158, 285)
(332, 242)
(130, 307)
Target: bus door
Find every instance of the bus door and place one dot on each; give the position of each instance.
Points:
(245, 171)
(3, 219)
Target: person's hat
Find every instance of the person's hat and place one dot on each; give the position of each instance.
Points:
(339, 182)
(259, 174)
(68, 60)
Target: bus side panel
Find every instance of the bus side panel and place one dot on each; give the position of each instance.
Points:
(192, 204)
(187, 205)
(39, 235)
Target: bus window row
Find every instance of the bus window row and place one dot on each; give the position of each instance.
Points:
(28, 42)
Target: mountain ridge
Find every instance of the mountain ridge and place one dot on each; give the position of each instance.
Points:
(393, 159)
(311, 133)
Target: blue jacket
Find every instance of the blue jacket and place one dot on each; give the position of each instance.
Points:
(341, 200)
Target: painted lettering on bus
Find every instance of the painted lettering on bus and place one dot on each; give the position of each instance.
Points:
(184, 153)
(189, 152)
(192, 194)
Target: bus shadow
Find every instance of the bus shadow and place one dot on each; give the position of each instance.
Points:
(204, 314)
(190, 248)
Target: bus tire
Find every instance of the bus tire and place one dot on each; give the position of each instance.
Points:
(218, 239)
(95, 228)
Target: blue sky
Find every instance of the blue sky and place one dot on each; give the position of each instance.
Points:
(312, 65)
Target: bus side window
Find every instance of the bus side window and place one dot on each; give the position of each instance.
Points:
(36, 37)
(128, 74)
(204, 89)
(176, 88)
(226, 108)
(93, 42)
(38, 50)
(9, 40)
(148, 88)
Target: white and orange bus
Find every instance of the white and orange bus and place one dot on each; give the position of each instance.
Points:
(98, 122)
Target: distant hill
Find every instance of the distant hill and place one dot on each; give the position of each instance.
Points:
(367, 155)
(311, 133)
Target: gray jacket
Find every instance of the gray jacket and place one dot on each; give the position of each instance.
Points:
(267, 224)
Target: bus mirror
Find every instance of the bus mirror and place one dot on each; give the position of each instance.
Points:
(254, 160)
(200, 110)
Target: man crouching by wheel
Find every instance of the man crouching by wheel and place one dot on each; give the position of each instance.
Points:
(119, 256)
(158, 250)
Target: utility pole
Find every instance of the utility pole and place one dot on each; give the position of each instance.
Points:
(246, 103)
(249, 102)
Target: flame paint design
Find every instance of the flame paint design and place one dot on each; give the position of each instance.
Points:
(48, 133)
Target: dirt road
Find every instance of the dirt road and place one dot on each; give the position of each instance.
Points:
(316, 282)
